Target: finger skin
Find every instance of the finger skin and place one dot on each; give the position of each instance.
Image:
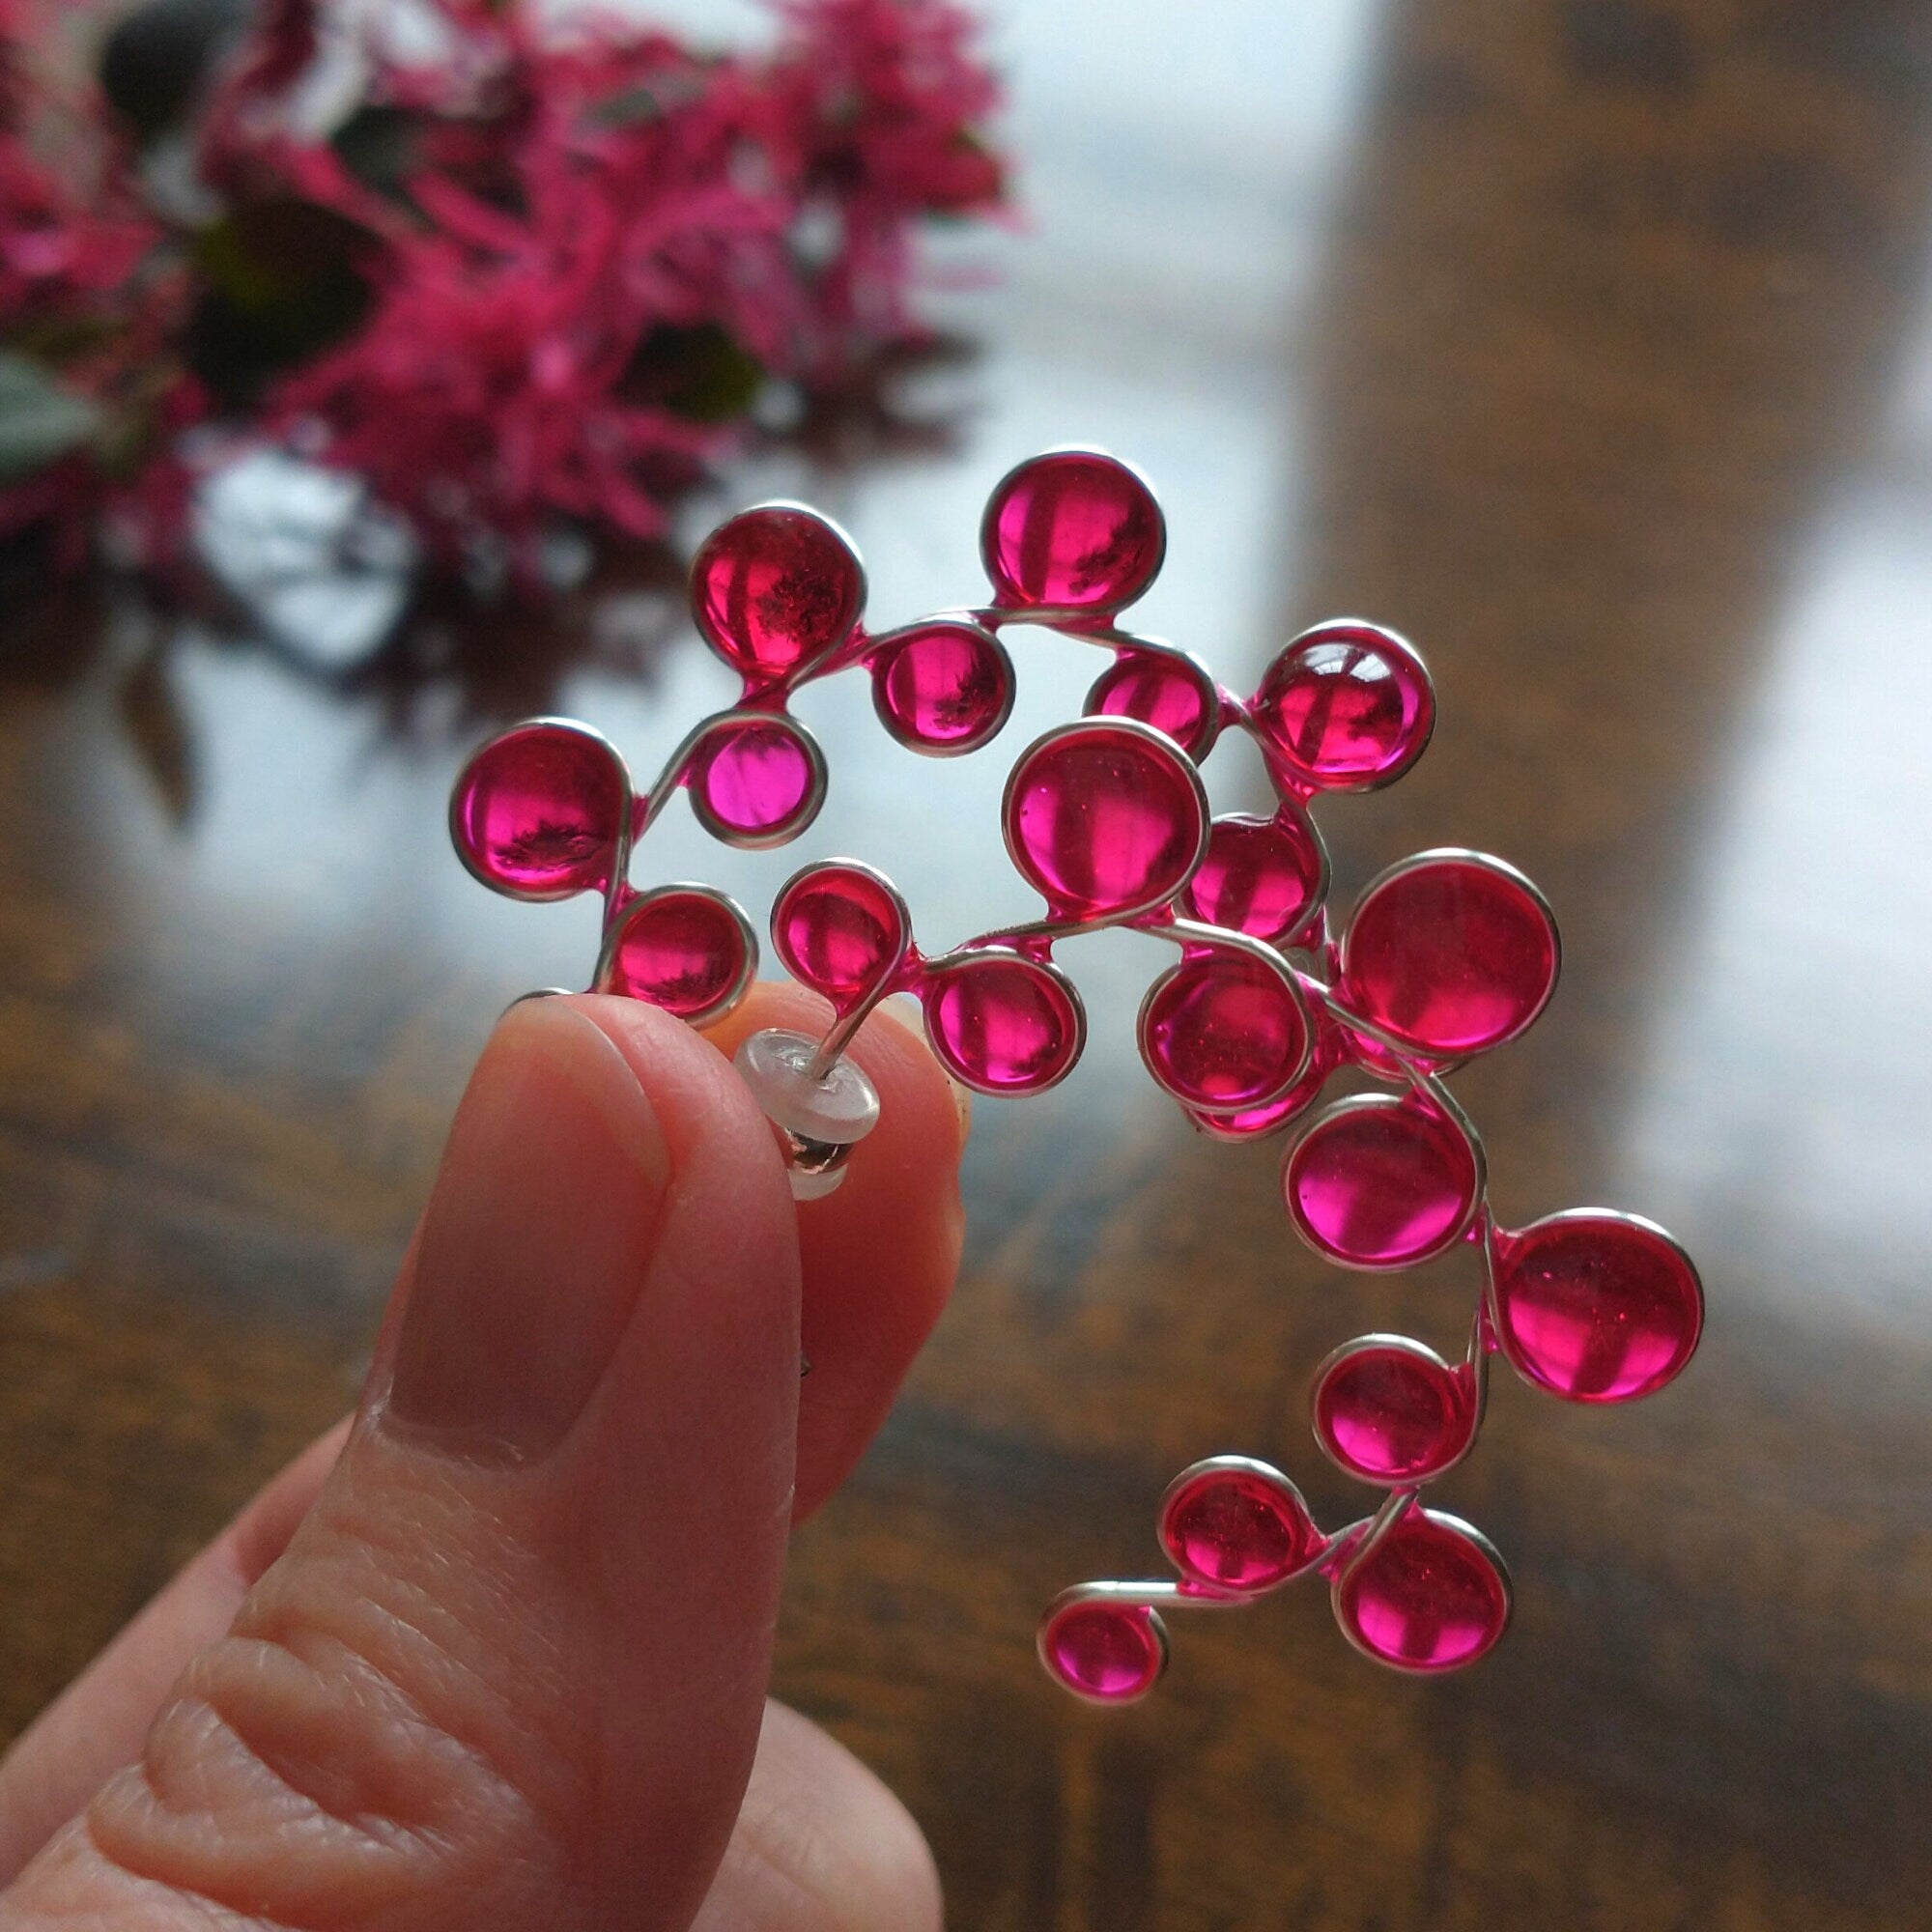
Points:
(879, 1259)
(879, 1256)
(501, 1694)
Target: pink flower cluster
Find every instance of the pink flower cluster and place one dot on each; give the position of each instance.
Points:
(564, 258)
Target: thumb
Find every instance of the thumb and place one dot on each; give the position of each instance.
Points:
(511, 1670)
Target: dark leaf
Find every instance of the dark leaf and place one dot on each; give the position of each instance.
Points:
(377, 145)
(155, 62)
(151, 715)
(283, 279)
(700, 372)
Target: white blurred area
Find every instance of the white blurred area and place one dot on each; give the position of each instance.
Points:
(1783, 1089)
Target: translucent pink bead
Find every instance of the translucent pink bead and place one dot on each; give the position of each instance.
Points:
(757, 781)
(1389, 1410)
(1380, 1181)
(683, 948)
(774, 589)
(1074, 528)
(943, 687)
(837, 927)
(1263, 876)
(1111, 1652)
(1431, 1596)
(1003, 1024)
(1220, 1030)
(1253, 1124)
(1452, 951)
(1236, 1526)
(1104, 818)
(538, 811)
(1597, 1306)
(1171, 693)
(1347, 706)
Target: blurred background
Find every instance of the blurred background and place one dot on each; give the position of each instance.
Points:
(1589, 344)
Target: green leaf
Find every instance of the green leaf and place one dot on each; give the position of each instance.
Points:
(155, 62)
(40, 421)
(377, 145)
(700, 372)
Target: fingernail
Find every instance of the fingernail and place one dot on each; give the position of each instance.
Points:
(538, 1232)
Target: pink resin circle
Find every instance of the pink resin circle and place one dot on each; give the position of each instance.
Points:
(1261, 876)
(1380, 1181)
(538, 811)
(1234, 1525)
(1110, 1653)
(1254, 1123)
(1106, 820)
(1345, 707)
(1169, 691)
(686, 948)
(1004, 1024)
(758, 781)
(1597, 1306)
(1073, 529)
(1431, 1596)
(774, 588)
(1451, 951)
(943, 688)
(1222, 1032)
(837, 927)
(1391, 1411)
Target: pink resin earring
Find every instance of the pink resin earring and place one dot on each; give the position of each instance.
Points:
(1446, 955)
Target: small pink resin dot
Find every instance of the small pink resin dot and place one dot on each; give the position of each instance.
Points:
(1111, 1652)
(1002, 1024)
(757, 781)
(774, 589)
(1389, 1410)
(1073, 529)
(1345, 707)
(837, 926)
(1431, 1596)
(1104, 818)
(1261, 876)
(1452, 951)
(1221, 1032)
(1597, 1306)
(1380, 1181)
(683, 948)
(1239, 1527)
(944, 688)
(538, 811)
(1171, 693)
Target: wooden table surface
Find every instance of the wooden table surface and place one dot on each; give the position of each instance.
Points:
(1589, 344)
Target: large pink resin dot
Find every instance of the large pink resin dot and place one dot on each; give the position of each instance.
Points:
(1389, 1410)
(1167, 689)
(1263, 876)
(837, 927)
(1345, 707)
(943, 687)
(774, 588)
(1105, 818)
(1221, 1032)
(1236, 1526)
(1003, 1024)
(757, 781)
(684, 947)
(1452, 951)
(538, 810)
(1110, 1653)
(1431, 1596)
(1380, 1181)
(1597, 1306)
(1073, 529)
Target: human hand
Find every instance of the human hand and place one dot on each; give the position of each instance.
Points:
(492, 1654)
